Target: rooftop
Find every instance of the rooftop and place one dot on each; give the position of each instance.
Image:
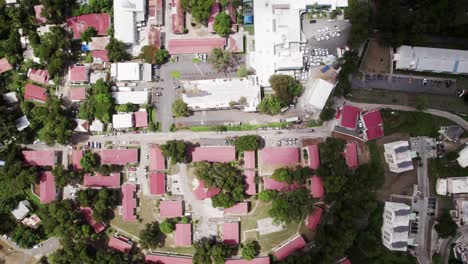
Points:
(141, 118)
(22, 123)
(250, 186)
(38, 14)
(4, 65)
(271, 184)
(79, 24)
(129, 203)
(119, 156)
(183, 235)
(47, 191)
(171, 209)
(99, 56)
(177, 17)
(316, 187)
(238, 209)
(349, 117)
(313, 220)
(214, 154)
(111, 181)
(231, 233)
(39, 76)
(289, 247)
(35, 93)
(78, 94)
(126, 71)
(165, 259)
(319, 93)
(120, 244)
(21, 210)
(40, 157)
(314, 158)
(279, 156)
(373, 124)
(88, 216)
(78, 73)
(76, 159)
(157, 183)
(351, 155)
(99, 43)
(122, 121)
(156, 159)
(202, 193)
(134, 97)
(257, 260)
(191, 46)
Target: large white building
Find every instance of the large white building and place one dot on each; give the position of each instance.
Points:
(463, 157)
(431, 60)
(315, 98)
(395, 228)
(398, 156)
(452, 185)
(133, 97)
(278, 35)
(122, 121)
(131, 71)
(126, 14)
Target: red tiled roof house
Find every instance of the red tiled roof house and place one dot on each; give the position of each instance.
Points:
(47, 189)
(129, 203)
(289, 247)
(183, 235)
(231, 233)
(171, 209)
(119, 156)
(120, 243)
(35, 93)
(40, 157)
(88, 216)
(157, 183)
(79, 24)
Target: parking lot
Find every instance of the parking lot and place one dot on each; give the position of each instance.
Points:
(328, 34)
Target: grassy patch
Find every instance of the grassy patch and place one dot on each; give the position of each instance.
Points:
(176, 74)
(145, 215)
(196, 60)
(413, 123)
(443, 167)
(250, 29)
(270, 241)
(314, 123)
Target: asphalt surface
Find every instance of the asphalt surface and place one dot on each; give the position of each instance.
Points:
(310, 31)
(47, 247)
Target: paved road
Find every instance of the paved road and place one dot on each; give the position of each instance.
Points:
(48, 247)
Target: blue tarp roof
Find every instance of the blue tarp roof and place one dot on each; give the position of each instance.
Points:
(325, 69)
(248, 19)
(85, 47)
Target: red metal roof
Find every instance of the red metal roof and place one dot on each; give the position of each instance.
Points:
(76, 159)
(279, 156)
(5, 65)
(203, 193)
(259, 260)
(373, 124)
(171, 209)
(38, 75)
(80, 23)
(344, 261)
(249, 159)
(154, 37)
(177, 17)
(152, 8)
(214, 154)
(129, 203)
(313, 220)
(351, 155)
(215, 8)
(233, 14)
(231, 233)
(156, 159)
(119, 156)
(40, 157)
(157, 183)
(88, 216)
(141, 118)
(238, 209)
(120, 244)
(250, 185)
(189, 46)
(100, 54)
(78, 73)
(314, 158)
(183, 235)
(160, 259)
(287, 249)
(316, 187)
(78, 94)
(270, 184)
(35, 93)
(350, 116)
(111, 181)
(38, 14)
(47, 190)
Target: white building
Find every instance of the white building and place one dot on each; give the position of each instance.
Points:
(122, 121)
(222, 93)
(96, 126)
(431, 59)
(22, 123)
(395, 228)
(463, 157)
(453, 185)
(10, 98)
(133, 97)
(131, 71)
(21, 210)
(278, 35)
(316, 97)
(398, 156)
(127, 13)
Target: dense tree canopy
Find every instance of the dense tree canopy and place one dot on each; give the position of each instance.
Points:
(210, 251)
(167, 226)
(286, 88)
(222, 24)
(358, 14)
(247, 142)
(297, 175)
(222, 60)
(175, 150)
(154, 55)
(99, 104)
(270, 105)
(446, 227)
(102, 202)
(199, 9)
(180, 108)
(117, 51)
(55, 11)
(63, 176)
(88, 34)
(291, 206)
(250, 250)
(151, 236)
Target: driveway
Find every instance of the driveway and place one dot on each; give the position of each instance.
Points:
(311, 31)
(48, 247)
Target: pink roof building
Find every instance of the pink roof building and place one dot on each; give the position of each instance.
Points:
(231, 233)
(351, 155)
(5, 65)
(47, 191)
(76, 159)
(191, 46)
(78, 94)
(111, 181)
(154, 36)
(129, 202)
(202, 193)
(258, 260)
(164, 259)
(316, 187)
(80, 23)
(171, 209)
(99, 56)
(183, 235)
(78, 74)
(39, 76)
(120, 243)
(38, 14)
(344, 261)
(178, 17)
(280, 156)
(270, 184)
(141, 118)
(289, 247)
(350, 116)
(214, 154)
(40, 157)
(119, 156)
(88, 216)
(249, 160)
(373, 124)
(238, 209)
(215, 8)
(313, 220)
(250, 185)
(156, 159)
(233, 14)
(157, 183)
(35, 93)
(314, 158)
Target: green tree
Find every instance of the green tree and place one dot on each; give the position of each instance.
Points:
(250, 250)
(421, 103)
(290, 206)
(242, 71)
(128, 107)
(283, 175)
(55, 11)
(199, 9)
(286, 88)
(151, 236)
(180, 108)
(209, 251)
(88, 34)
(89, 161)
(167, 226)
(270, 105)
(358, 14)
(63, 176)
(247, 143)
(154, 55)
(175, 150)
(222, 24)
(267, 195)
(328, 113)
(117, 51)
(220, 59)
(445, 227)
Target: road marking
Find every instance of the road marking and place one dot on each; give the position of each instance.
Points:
(196, 66)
